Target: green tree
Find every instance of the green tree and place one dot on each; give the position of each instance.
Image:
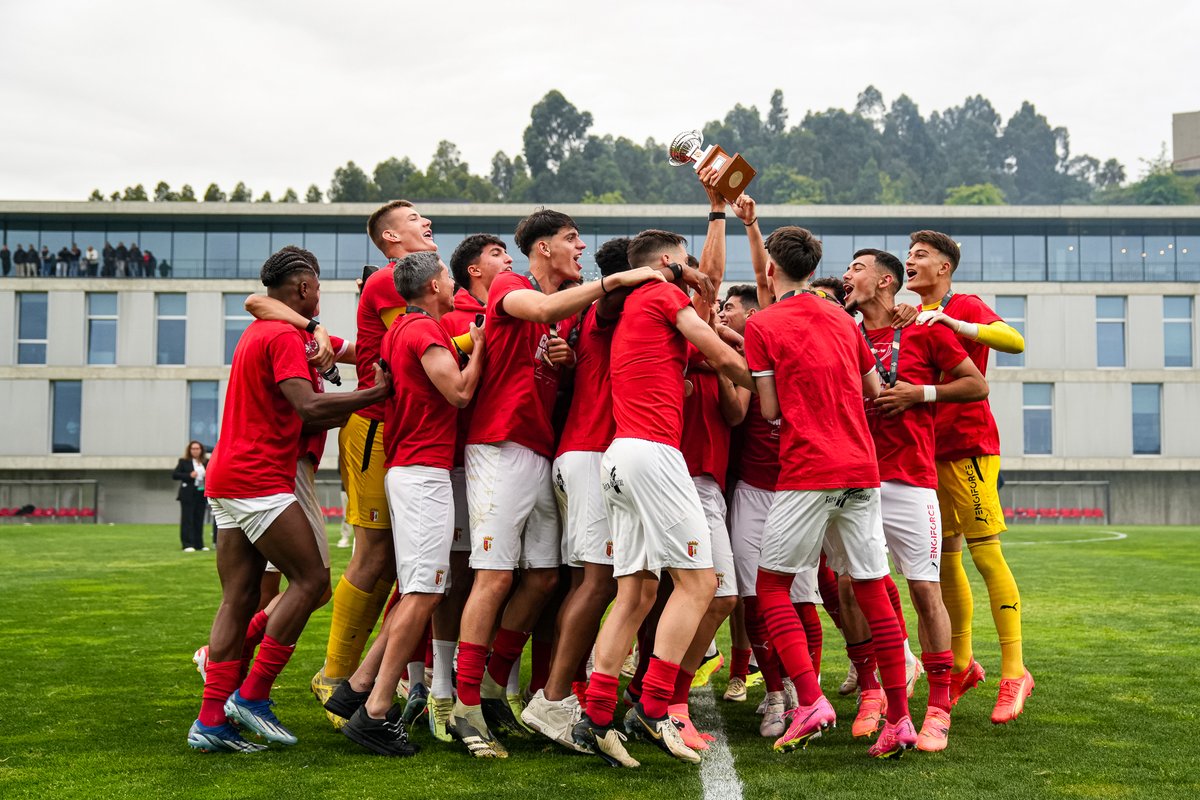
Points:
(96, 197)
(1111, 175)
(135, 193)
(777, 116)
(187, 194)
(290, 196)
(265, 198)
(241, 193)
(1031, 152)
(163, 193)
(213, 194)
(351, 185)
(396, 178)
(556, 130)
(606, 199)
(979, 194)
(313, 195)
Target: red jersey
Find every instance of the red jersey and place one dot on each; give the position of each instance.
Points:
(758, 462)
(378, 307)
(418, 421)
(590, 426)
(904, 443)
(705, 442)
(648, 358)
(968, 429)
(456, 323)
(818, 358)
(515, 398)
(259, 428)
(312, 445)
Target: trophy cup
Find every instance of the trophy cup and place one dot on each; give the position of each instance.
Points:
(733, 173)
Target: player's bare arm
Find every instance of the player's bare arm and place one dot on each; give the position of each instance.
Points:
(268, 308)
(723, 358)
(968, 386)
(456, 385)
(533, 306)
(314, 406)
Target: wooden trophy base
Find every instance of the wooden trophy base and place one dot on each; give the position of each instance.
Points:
(733, 172)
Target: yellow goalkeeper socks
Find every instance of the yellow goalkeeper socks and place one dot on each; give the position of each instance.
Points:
(1005, 600)
(349, 629)
(956, 594)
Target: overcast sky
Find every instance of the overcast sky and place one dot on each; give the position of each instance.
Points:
(277, 94)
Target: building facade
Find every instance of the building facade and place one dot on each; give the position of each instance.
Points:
(107, 377)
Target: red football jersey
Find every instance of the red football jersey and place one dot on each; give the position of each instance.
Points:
(968, 429)
(456, 323)
(418, 421)
(590, 425)
(818, 358)
(312, 445)
(904, 443)
(378, 307)
(260, 431)
(705, 442)
(648, 359)
(515, 398)
(758, 464)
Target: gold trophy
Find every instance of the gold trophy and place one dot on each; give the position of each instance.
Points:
(733, 173)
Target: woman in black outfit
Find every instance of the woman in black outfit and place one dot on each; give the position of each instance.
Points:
(192, 504)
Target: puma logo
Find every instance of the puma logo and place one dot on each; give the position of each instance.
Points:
(1013, 606)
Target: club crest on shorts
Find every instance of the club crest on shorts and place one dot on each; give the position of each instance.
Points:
(487, 543)
(720, 580)
(608, 549)
(438, 576)
(693, 548)
(374, 515)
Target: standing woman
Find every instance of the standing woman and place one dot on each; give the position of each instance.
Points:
(190, 474)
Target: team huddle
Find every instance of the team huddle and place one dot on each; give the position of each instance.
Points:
(586, 465)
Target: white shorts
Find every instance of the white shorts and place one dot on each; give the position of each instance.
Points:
(653, 509)
(713, 503)
(912, 526)
(421, 503)
(581, 506)
(306, 496)
(252, 514)
(848, 520)
(513, 513)
(462, 524)
(747, 519)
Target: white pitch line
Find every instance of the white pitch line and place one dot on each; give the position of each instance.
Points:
(1112, 536)
(718, 776)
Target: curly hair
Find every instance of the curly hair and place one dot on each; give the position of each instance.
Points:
(613, 256)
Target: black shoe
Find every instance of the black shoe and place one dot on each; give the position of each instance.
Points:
(603, 740)
(500, 720)
(387, 736)
(345, 701)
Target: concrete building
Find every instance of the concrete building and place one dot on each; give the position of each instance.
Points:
(1185, 143)
(107, 378)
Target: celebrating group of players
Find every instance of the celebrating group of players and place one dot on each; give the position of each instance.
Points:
(626, 446)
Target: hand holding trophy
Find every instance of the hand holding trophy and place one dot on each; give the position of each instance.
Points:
(733, 173)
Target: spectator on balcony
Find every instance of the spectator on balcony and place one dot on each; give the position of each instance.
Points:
(46, 259)
(149, 264)
(122, 254)
(75, 261)
(110, 261)
(61, 262)
(5, 260)
(91, 262)
(190, 474)
(135, 261)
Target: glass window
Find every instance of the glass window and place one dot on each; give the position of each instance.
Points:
(282, 236)
(66, 403)
(202, 412)
(220, 254)
(1187, 258)
(1177, 331)
(172, 328)
(324, 247)
(157, 243)
(1095, 258)
(189, 254)
(1110, 331)
(253, 249)
(1147, 419)
(970, 261)
(31, 327)
(1160, 258)
(102, 328)
(1029, 258)
(997, 258)
(352, 254)
(1129, 258)
(838, 251)
(1062, 253)
(1012, 309)
(1038, 412)
(237, 318)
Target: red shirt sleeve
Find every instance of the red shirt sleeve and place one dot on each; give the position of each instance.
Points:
(288, 359)
(945, 351)
(422, 335)
(971, 309)
(756, 348)
(502, 286)
(669, 300)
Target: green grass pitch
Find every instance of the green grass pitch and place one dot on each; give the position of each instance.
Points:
(97, 690)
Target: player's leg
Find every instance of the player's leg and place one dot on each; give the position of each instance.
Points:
(954, 502)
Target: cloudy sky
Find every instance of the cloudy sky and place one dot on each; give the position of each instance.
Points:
(277, 94)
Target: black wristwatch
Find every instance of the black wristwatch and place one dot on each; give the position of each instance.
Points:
(312, 326)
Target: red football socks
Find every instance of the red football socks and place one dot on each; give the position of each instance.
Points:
(768, 663)
(506, 651)
(221, 678)
(894, 596)
(271, 659)
(872, 598)
(937, 672)
(787, 634)
(683, 685)
(739, 662)
(601, 698)
(472, 659)
(812, 631)
(254, 636)
(862, 656)
(658, 687)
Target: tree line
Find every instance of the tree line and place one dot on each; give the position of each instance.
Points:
(874, 154)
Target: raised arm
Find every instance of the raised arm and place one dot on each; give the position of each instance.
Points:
(747, 212)
(534, 306)
(712, 254)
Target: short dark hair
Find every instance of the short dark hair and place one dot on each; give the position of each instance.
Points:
(539, 225)
(467, 253)
(940, 242)
(282, 263)
(795, 250)
(414, 272)
(831, 286)
(613, 256)
(650, 243)
(744, 292)
(886, 260)
(375, 221)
